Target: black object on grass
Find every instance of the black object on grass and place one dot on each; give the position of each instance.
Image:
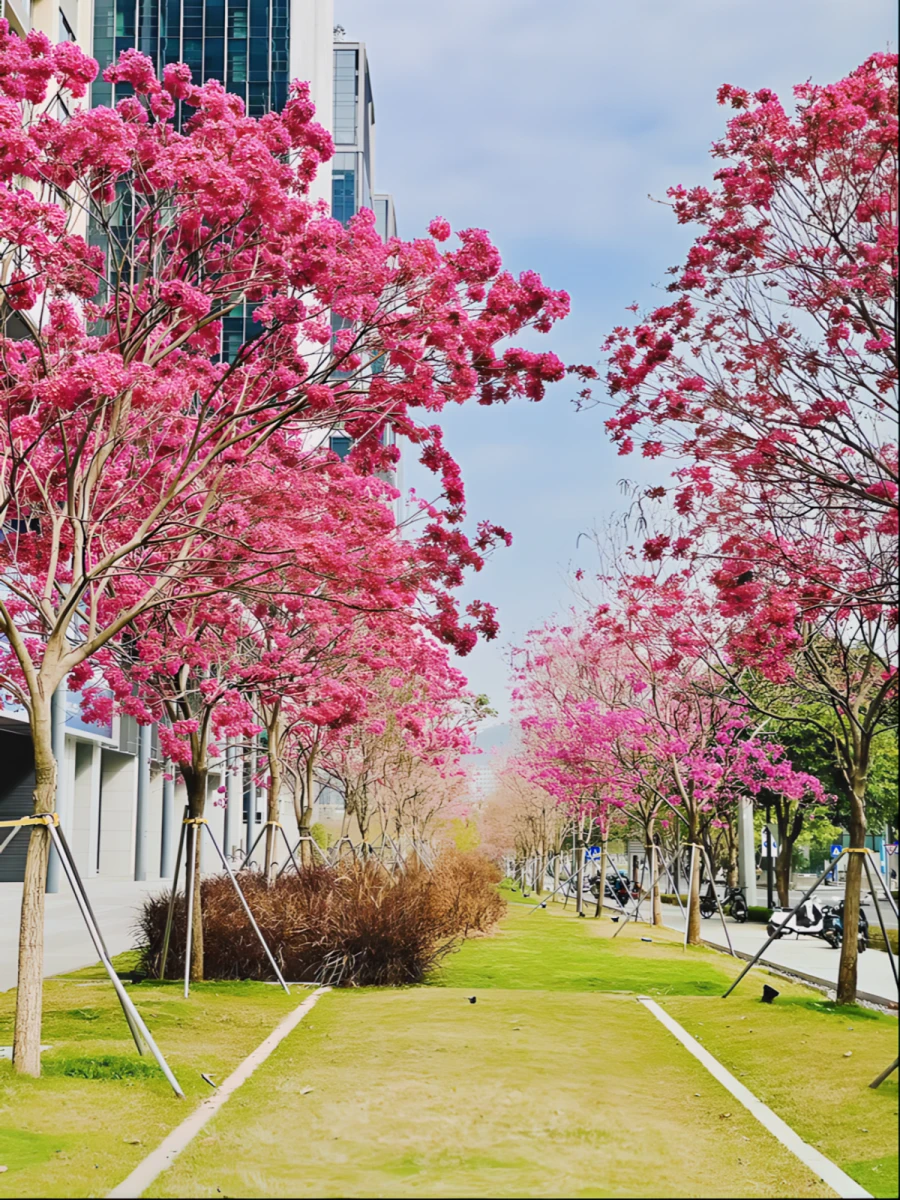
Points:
(769, 994)
(206, 1079)
(471, 999)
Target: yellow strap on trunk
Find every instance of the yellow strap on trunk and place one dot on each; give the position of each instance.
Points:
(41, 819)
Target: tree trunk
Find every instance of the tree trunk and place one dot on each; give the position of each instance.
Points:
(846, 985)
(731, 870)
(29, 996)
(785, 853)
(305, 823)
(653, 864)
(272, 809)
(196, 789)
(694, 889)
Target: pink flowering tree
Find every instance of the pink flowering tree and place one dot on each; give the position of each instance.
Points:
(628, 706)
(771, 375)
(397, 765)
(121, 421)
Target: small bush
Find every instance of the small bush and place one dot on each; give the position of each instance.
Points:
(353, 925)
(759, 913)
(103, 1066)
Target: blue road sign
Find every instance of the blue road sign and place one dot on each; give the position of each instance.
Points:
(836, 848)
(593, 853)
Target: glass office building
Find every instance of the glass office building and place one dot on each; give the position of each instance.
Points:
(353, 117)
(243, 43)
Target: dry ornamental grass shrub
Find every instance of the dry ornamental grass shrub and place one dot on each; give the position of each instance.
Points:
(353, 925)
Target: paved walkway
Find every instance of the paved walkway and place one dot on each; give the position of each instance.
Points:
(805, 956)
(67, 945)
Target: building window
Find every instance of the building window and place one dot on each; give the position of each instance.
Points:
(345, 95)
(340, 444)
(343, 187)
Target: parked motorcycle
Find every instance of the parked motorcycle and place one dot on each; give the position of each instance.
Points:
(733, 902)
(616, 888)
(812, 920)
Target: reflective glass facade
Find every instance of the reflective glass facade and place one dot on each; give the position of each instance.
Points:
(243, 43)
(346, 71)
(353, 120)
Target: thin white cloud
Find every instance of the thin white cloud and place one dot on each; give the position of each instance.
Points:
(548, 122)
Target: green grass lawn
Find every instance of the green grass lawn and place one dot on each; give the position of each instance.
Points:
(554, 1083)
(545, 949)
(67, 1135)
(525, 1093)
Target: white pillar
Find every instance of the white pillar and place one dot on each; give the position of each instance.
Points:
(58, 737)
(251, 799)
(747, 849)
(142, 810)
(234, 780)
(94, 810)
(169, 833)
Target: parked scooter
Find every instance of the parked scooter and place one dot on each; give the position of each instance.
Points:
(812, 920)
(616, 888)
(733, 902)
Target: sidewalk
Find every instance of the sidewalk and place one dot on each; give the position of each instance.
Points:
(809, 958)
(67, 945)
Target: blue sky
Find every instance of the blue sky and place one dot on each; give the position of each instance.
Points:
(551, 125)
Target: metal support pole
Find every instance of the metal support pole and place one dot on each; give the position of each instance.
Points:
(70, 858)
(885, 887)
(171, 913)
(568, 879)
(142, 806)
(190, 870)
(246, 906)
(712, 884)
(887, 945)
(58, 743)
(753, 961)
(675, 892)
(879, 1079)
(284, 838)
(124, 999)
(256, 840)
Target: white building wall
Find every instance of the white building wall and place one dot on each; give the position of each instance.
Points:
(118, 800)
(155, 818)
(312, 59)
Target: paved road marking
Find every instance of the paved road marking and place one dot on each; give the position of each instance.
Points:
(824, 1168)
(168, 1150)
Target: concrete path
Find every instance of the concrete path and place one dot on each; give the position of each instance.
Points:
(67, 945)
(808, 957)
